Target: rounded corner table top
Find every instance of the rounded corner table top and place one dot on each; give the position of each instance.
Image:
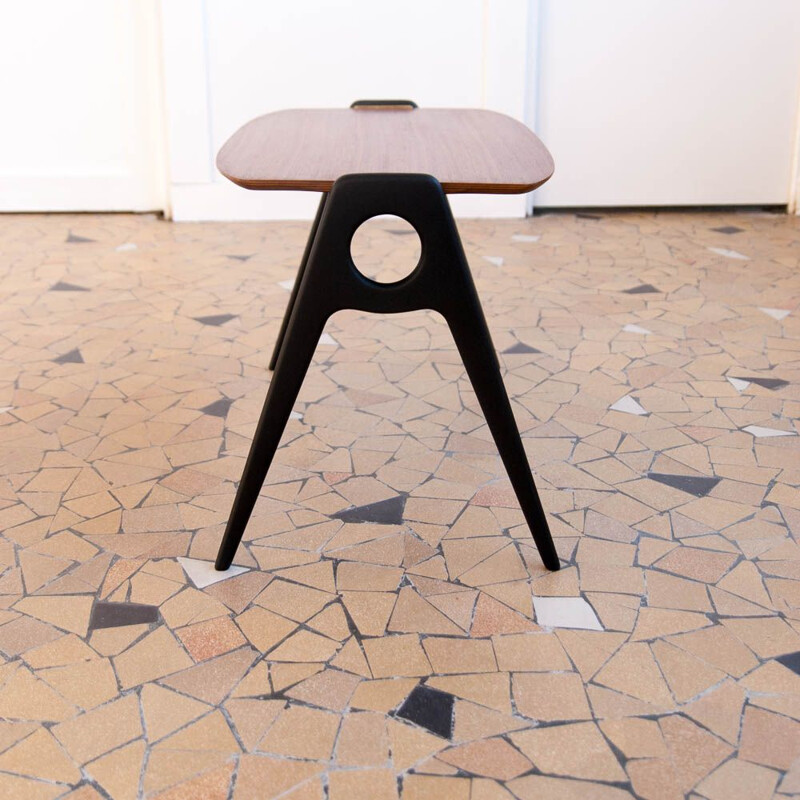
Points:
(466, 150)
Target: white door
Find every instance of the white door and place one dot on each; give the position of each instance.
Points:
(82, 124)
(668, 102)
(227, 61)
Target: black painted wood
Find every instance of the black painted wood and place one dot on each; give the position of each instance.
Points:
(298, 278)
(441, 281)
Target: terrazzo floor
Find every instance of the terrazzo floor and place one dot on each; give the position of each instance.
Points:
(388, 629)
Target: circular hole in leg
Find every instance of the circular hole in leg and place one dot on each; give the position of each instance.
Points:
(385, 249)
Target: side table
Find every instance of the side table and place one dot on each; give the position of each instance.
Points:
(385, 157)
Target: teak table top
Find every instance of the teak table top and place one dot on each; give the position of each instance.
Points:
(466, 150)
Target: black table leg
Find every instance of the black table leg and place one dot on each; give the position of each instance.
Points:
(302, 334)
(329, 281)
(293, 297)
(474, 343)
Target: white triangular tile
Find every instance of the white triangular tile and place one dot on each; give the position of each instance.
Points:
(326, 338)
(496, 260)
(565, 612)
(636, 329)
(126, 248)
(775, 313)
(627, 405)
(721, 251)
(202, 573)
(738, 384)
(288, 285)
(524, 237)
(295, 415)
(3, 409)
(764, 433)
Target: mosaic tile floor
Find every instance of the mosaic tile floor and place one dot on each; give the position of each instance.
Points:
(388, 629)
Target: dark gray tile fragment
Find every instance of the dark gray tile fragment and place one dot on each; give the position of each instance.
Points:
(430, 709)
(63, 286)
(728, 229)
(384, 512)
(644, 288)
(698, 485)
(766, 383)
(240, 258)
(116, 615)
(215, 319)
(73, 357)
(73, 239)
(790, 661)
(219, 408)
(520, 347)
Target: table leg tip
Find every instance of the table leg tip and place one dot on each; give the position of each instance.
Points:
(552, 562)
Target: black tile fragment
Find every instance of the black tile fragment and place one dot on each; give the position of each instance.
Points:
(73, 239)
(766, 383)
(215, 319)
(116, 615)
(219, 408)
(73, 357)
(790, 661)
(644, 288)
(430, 709)
(384, 512)
(728, 229)
(698, 485)
(400, 231)
(587, 216)
(63, 286)
(520, 347)
(240, 258)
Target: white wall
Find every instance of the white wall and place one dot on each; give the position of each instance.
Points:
(80, 92)
(227, 61)
(668, 102)
(641, 101)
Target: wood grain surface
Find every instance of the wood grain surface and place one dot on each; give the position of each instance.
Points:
(467, 150)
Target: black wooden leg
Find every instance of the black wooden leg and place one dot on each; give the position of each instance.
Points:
(293, 297)
(328, 281)
(474, 343)
(302, 335)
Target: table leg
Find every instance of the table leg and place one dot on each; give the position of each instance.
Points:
(329, 281)
(471, 334)
(302, 334)
(293, 298)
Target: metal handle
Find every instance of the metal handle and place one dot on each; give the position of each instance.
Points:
(391, 105)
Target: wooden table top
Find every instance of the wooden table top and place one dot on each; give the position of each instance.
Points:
(467, 150)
